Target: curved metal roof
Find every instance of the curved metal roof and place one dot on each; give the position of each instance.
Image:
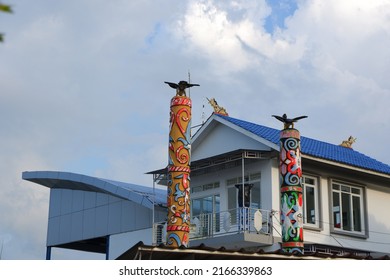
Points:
(65, 180)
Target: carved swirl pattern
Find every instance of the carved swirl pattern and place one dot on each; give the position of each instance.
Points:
(178, 199)
(291, 191)
(291, 143)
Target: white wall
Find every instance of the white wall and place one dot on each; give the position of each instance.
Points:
(120, 243)
(222, 139)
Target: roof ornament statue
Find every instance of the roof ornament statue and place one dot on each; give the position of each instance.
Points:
(348, 143)
(181, 87)
(217, 109)
(288, 123)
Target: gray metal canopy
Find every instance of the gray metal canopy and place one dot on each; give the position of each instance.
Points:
(145, 196)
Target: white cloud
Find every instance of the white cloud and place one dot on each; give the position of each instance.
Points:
(23, 208)
(232, 36)
(330, 59)
(351, 33)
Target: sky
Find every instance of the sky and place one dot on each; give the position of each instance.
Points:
(82, 86)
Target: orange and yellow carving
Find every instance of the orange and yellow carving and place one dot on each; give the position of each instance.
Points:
(178, 226)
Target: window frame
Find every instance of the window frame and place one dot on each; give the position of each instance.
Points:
(363, 233)
(317, 212)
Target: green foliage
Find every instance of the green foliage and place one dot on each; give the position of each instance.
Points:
(6, 9)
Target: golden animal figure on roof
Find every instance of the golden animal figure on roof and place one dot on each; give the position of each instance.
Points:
(217, 109)
(348, 143)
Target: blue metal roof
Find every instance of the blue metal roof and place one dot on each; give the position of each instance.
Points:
(316, 148)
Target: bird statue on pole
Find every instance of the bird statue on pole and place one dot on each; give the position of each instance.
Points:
(181, 87)
(287, 121)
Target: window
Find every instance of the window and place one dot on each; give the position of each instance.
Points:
(205, 187)
(207, 210)
(247, 179)
(347, 208)
(254, 179)
(233, 193)
(205, 205)
(310, 201)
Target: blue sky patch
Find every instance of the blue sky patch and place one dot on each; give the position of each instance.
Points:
(150, 39)
(281, 9)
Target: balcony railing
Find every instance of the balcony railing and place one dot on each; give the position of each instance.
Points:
(209, 225)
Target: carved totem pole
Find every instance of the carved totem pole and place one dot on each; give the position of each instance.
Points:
(291, 216)
(178, 201)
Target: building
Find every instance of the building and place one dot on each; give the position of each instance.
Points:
(346, 198)
(97, 215)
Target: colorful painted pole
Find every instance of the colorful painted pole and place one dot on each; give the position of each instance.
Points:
(178, 202)
(291, 204)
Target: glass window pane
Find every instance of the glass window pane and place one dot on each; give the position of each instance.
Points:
(357, 223)
(196, 189)
(255, 196)
(202, 205)
(346, 214)
(217, 203)
(310, 181)
(231, 181)
(217, 217)
(232, 204)
(336, 187)
(310, 205)
(345, 189)
(196, 207)
(336, 210)
(232, 198)
(355, 190)
(255, 176)
(207, 206)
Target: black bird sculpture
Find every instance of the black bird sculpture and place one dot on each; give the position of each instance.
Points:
(181, 87)
(288, 122)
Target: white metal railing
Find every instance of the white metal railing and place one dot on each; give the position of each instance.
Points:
(232, 221)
